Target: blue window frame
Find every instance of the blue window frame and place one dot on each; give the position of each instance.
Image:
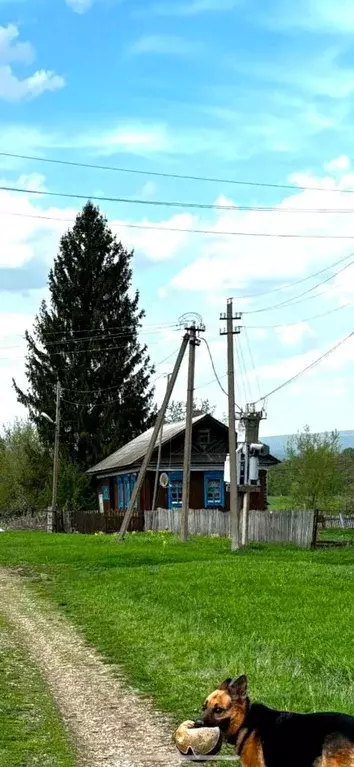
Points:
(214, 489)
(125, 484)
(175, 489)
(120, 492)
(105, 493)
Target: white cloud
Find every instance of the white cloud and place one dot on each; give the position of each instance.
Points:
(291, 335)
(170, 45)
(12, 88)
(340, 163)
(22, 236)
(286, 368)
(194, 7)
(80, 6)
(317, 15)
(226, 262)
(11, 50)
(161, 245)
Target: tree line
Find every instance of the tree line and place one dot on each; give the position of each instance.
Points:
(316, 473)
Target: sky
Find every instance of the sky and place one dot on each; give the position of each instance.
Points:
(252, 98)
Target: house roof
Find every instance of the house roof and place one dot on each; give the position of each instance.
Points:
(136, 449)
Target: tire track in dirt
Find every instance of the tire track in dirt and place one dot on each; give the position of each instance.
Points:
(109, 724)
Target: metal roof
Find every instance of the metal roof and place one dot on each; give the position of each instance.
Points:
(136, 449)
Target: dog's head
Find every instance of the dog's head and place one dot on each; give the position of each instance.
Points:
(226, 707)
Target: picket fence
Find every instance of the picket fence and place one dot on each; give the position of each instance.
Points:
(263, 526)
(343, 521)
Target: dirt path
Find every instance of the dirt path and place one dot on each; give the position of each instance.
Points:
(110, 725)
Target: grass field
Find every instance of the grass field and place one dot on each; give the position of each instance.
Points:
(180, 618)
(31, 732)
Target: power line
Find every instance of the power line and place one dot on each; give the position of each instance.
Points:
(252, 360)
(105, 337)
(177, 203)
(111, 388)
(217, 378)
(292, 301)
(98, 391)
(309, 367)
(299, 322)
(209, 383)
(185, 177)
(148, 329)
(186, 230)
(296, 282)
(65, 352)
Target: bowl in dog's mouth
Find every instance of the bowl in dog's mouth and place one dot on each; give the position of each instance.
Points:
(198, 741)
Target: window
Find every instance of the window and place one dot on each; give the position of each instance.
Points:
(125, 483)
(175, 489)
(105, 493)
(204, 437)
(120, 493)
(214, 490)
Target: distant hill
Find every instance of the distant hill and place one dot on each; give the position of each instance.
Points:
(277, 445)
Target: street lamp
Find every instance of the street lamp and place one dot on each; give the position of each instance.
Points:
(55, 423)
(48, 418)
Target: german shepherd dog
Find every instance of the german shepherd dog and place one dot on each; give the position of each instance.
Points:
(264, 737)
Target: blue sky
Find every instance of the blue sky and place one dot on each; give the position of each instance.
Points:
(229, 89)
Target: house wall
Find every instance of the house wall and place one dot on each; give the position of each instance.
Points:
(197, 500)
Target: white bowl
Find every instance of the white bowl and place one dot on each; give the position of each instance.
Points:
(198, 741)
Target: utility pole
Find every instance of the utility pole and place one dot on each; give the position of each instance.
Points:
(193, 342)
(234, 500)
(159, 421)
(56, 458)
(154, 497)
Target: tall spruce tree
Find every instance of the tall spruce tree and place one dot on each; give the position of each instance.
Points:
(87, 336)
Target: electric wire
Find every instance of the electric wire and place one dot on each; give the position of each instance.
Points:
(184, 177)
(188, 230)
(292, 300)
(307, 368)
(111, 388)
(299, 322)
(295, 282)
(217, 378)
(252, 360)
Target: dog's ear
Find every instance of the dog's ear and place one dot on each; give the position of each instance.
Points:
(225, 685)
(238, 688)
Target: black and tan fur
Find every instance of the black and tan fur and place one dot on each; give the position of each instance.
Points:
(264, 737)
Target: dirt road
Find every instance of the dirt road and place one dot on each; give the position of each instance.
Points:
(109, 724)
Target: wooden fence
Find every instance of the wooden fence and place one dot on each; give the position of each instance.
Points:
(90, 522)
(342, 521)
(264, 526)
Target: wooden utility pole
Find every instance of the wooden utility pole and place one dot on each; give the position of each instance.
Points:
(154, 497)
(159, 421)
(56, 459)
(234, 501)
(193, 341)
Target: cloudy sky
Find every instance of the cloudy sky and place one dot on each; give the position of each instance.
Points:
(254, 91)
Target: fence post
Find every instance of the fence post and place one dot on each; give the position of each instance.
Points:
(50, 520)
(314, 529)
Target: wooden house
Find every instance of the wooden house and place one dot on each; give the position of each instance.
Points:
(114, 477)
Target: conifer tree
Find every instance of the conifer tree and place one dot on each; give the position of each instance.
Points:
(87, 335)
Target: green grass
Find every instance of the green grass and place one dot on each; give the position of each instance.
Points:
(280, 503)
(31, 732)
(180, 618)
(336, 534)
